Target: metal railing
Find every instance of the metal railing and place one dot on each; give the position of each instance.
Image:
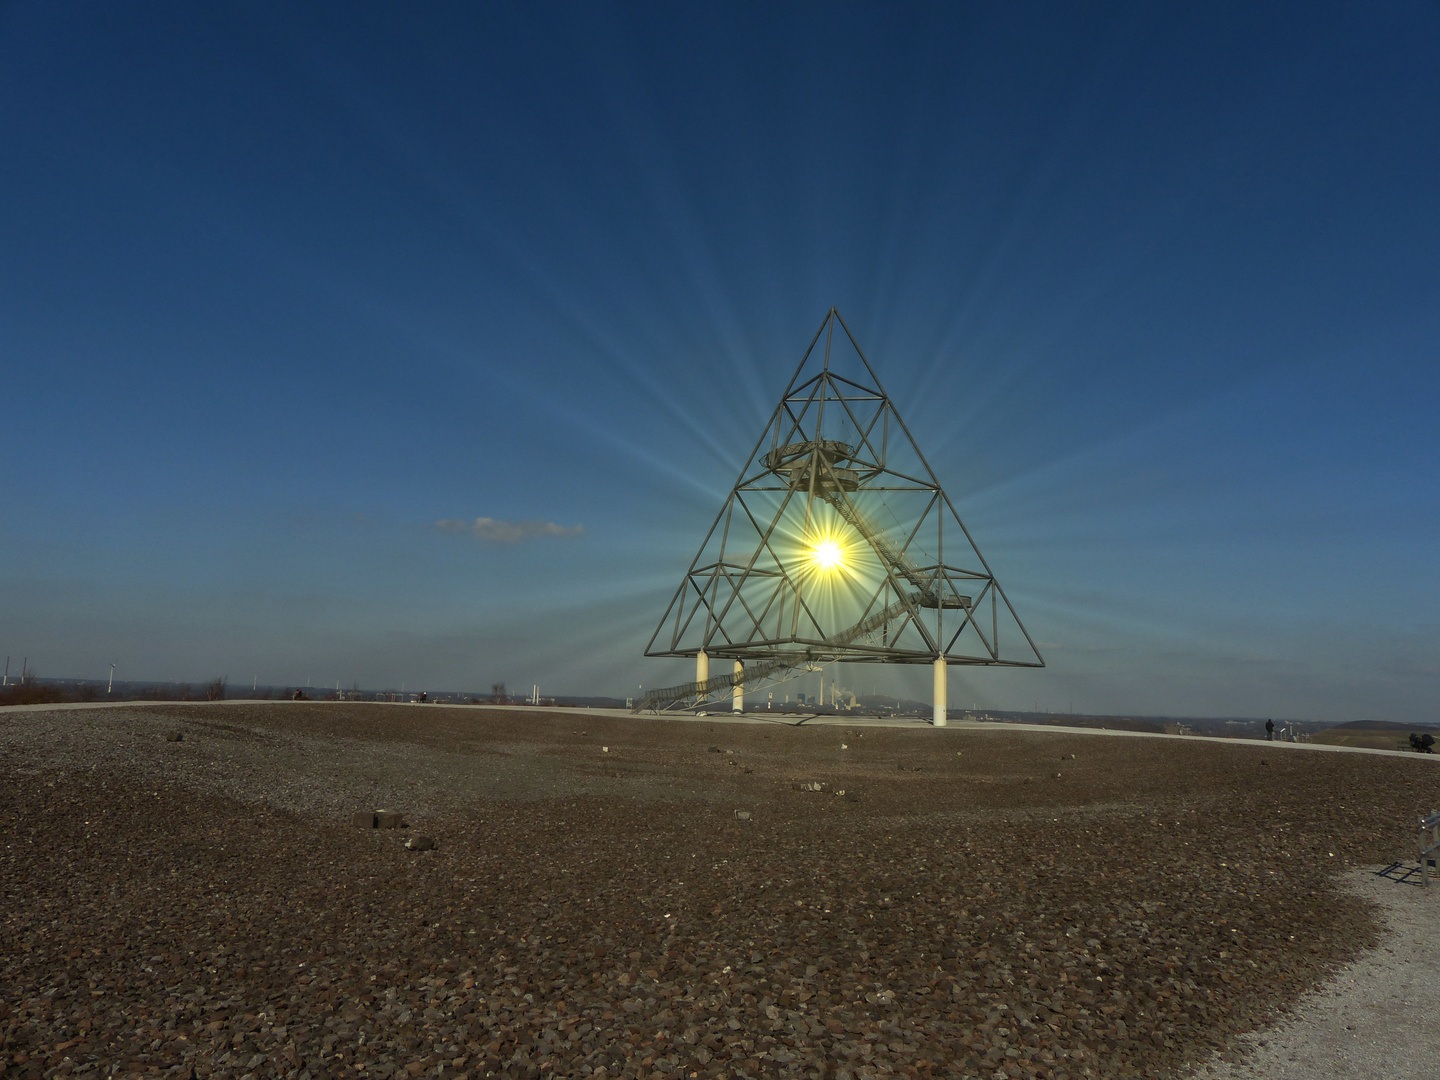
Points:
(1429, 844)
(796, 462)
(898, 561)
(669, 695)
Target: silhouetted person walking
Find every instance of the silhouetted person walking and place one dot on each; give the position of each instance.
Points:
(1269, 730)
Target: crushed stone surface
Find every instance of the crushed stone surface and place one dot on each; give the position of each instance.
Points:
(976, 903)
(1375, 1019)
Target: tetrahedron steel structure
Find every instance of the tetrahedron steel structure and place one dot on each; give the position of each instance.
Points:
(837, 543)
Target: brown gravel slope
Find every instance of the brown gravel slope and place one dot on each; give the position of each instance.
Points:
(204, 907)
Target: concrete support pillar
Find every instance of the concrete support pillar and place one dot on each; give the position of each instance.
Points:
(737, 695)
(702, 672)
(941, 693)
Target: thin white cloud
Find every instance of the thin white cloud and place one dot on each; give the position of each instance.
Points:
(508, 532)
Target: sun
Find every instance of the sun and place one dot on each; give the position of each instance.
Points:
(827, 555)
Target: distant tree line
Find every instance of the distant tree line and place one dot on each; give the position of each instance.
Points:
(32, 689)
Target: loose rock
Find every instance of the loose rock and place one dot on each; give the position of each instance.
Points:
(195, 914)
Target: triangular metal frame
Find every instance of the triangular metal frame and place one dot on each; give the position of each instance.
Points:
(836, 460)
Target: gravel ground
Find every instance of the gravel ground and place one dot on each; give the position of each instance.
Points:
(997, 904)
(1375, 1020)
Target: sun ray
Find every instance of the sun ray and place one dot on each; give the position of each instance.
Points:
(827, 554)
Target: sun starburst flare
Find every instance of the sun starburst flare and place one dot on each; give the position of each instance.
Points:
(826, 554)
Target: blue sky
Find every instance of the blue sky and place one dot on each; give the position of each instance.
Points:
(1157, 289)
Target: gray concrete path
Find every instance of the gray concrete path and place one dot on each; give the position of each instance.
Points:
(1376, 1019)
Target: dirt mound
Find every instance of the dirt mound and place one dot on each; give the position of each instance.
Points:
(976, 901)
(1381, 736)
(1374, 725)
